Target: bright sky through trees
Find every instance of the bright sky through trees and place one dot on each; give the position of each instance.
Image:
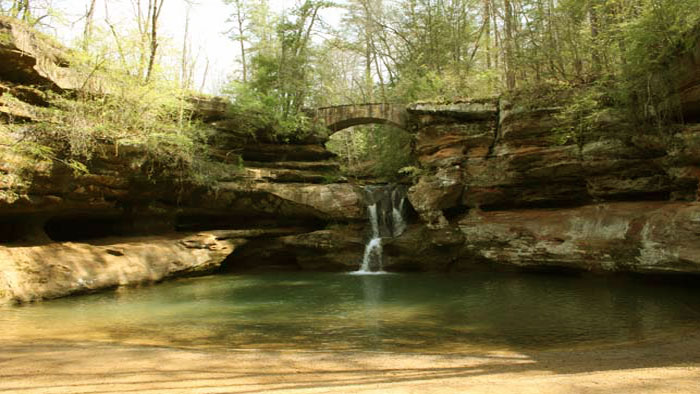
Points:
(208, 27)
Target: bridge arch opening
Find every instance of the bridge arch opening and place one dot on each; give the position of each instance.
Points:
(372, 150)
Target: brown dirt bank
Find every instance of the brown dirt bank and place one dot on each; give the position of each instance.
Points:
(651, 367)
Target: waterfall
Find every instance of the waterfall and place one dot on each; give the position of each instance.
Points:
(397, 212)
(386, 210)
(372, 209)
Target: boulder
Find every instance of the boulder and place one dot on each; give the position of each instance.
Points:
(333, 249)
(435, 193)
(423, 249)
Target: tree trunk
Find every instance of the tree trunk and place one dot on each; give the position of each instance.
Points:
(508, 24)
(241, 39)
(89, 16)
(487, 24)
(595, 27)
(204, 77)
(155, 13)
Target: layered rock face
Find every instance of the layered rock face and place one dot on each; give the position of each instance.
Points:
(502, 187)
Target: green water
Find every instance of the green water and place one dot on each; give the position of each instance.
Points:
(398, 312)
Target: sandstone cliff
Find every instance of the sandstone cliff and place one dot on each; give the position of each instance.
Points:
(65, 232)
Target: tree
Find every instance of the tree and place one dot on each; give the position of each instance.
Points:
(89, 19)
(280, 71)
(240, 19)
(32, 12)
(21, 7)
(155, 9)
(187, 63)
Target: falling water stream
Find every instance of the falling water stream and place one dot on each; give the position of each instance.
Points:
(386, 210)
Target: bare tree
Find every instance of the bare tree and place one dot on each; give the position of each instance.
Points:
(147, 23)
(89, 16)
(240, 19)
(204, 77)
(155, 8)
(185, 62)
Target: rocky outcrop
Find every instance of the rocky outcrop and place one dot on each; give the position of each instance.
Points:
(646, 237)
(435, 193)
(335, 249)
(30, 58)
(620, 199)
(499, 184)
(31, 273)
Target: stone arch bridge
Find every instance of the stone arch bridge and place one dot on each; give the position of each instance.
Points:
(341, 117)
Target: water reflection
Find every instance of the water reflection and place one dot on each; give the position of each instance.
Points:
(372, 291)
(369, 312)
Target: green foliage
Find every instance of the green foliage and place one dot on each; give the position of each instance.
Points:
(412, 172)
(653, 39)
(259, 111)
(5, 38)
(580, 116)
(113, 113)
(149, 125)
(392, 149)
(279, 83)
(606, 54)
(377, 151)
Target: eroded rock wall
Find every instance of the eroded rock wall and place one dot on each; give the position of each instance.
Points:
(510, 189)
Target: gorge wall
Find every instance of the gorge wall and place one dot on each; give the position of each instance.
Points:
(497, 186)
(505, 189)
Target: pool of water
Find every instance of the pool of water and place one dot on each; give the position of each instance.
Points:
(395, 312)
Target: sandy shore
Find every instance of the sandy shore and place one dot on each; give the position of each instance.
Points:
(98, 368)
